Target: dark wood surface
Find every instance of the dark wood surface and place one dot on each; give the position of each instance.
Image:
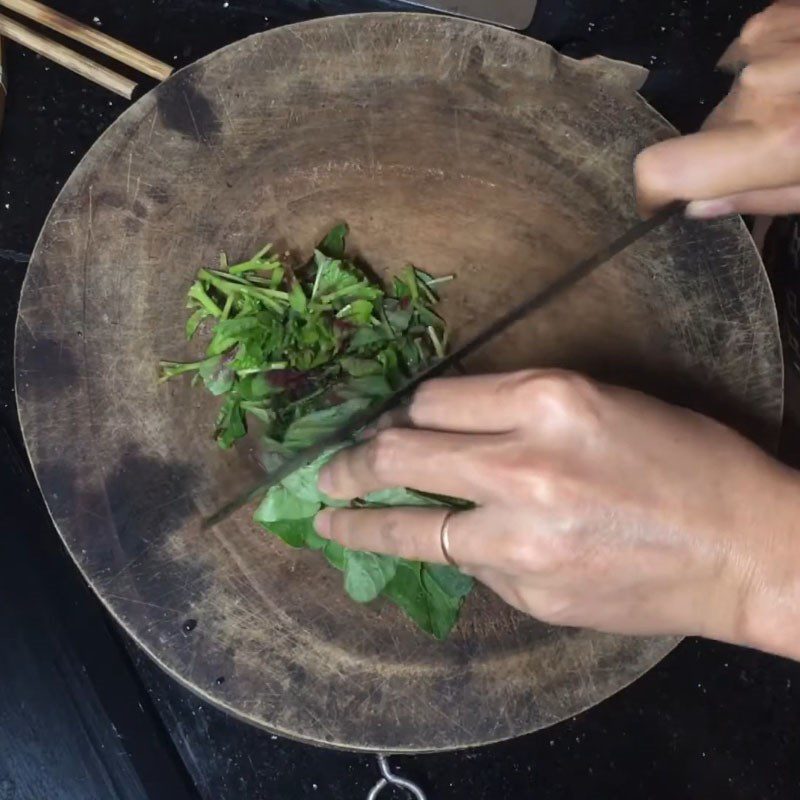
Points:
(709, 721)
(459, 147)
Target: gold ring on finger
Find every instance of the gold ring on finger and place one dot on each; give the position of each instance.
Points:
(444, 538)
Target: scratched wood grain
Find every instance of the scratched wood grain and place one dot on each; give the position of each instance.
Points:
(453, 145)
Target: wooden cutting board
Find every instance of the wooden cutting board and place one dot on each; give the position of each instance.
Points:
(453, 145)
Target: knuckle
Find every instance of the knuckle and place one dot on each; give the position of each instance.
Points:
(558, 395)
(543, 485)
(527, 480)
(523, 475)
(755, 28)
(385, 450)
(390, 533)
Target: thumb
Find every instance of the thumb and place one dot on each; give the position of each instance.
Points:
(767, 202)
(717, 163)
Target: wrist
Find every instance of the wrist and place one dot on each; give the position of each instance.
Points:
(767, 616)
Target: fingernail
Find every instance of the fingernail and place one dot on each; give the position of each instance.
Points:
(322, 523)
(709, 209)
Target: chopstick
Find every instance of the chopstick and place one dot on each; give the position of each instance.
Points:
(89, 36)
(84, 66)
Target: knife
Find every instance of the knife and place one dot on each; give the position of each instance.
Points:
(546, 295)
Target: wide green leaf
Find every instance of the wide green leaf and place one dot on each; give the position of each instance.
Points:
(443, 606)
(423, 598)
(293, 531)
(303, 482)
(281, 504)
(311, 428)
(336, 555)
(450, 580)
(407, 592)
(366, 574)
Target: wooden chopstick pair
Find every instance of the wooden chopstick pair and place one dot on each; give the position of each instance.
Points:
(91, 37)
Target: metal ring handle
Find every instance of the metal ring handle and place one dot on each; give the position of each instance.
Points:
(389, 778)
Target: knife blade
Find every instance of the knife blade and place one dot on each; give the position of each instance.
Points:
(543, 297)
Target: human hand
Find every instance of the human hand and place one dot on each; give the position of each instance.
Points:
(595, 506)
(746, 159)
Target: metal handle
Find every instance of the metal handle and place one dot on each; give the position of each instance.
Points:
(390, 779)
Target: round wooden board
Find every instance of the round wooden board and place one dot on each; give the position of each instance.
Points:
(453, 145)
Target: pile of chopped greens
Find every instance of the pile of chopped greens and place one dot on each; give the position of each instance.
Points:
(299, 351)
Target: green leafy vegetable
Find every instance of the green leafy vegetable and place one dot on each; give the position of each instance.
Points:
(366, 574)
(280, 504)
(295, 532)
(430, 595)
(333, 244)
(298, 351)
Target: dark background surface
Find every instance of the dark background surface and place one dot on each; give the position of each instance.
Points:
(83, 714)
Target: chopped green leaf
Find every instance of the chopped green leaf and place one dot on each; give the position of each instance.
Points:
(359, 367)
(217, 375)
(230, 423)
(297, 299)
(333, 244)
(194, 321)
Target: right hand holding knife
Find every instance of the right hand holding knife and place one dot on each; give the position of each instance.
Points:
(597, 506)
